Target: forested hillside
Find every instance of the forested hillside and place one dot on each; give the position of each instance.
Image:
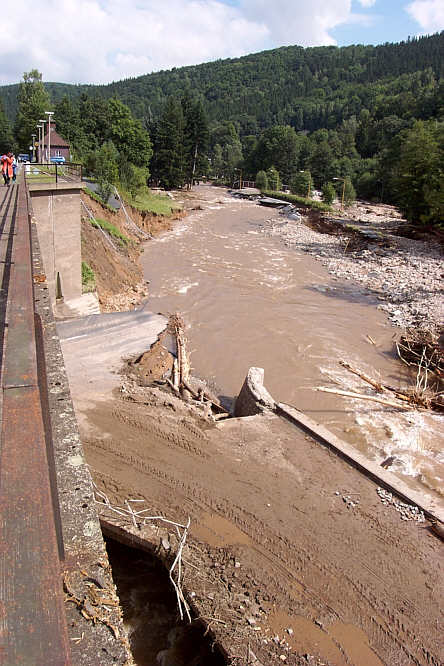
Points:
(360, 114)
(306, 88)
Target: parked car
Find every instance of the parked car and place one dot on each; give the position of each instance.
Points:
(58, 159)
(23, 157)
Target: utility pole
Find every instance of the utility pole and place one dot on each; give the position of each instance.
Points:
(33, 147)
(49, 114)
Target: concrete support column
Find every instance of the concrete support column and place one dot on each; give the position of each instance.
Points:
(56, 209)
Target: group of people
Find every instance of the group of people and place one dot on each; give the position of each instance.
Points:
(9, 168)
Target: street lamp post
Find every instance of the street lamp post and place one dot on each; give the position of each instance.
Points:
(49, 114)
(43, 121)
(33, 147)
(240, 177)
(39, 143)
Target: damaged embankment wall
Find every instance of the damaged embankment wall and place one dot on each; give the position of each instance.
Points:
(118, 274)
(91, 604)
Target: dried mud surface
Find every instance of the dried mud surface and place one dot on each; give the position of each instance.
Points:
(277, 563)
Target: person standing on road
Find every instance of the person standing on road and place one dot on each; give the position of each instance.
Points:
(7, 172)
(14, 169)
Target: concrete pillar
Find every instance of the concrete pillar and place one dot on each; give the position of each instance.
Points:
(56, 209)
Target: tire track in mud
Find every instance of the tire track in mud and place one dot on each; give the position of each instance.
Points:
(284, 562)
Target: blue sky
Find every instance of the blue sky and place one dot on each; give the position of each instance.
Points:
(98, 41)
(388, 22)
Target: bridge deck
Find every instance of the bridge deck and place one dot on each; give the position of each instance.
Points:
(33, 624)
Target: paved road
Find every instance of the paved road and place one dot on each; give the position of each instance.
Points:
(95, 347)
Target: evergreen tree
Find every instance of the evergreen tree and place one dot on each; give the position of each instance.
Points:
(169, 166)
(196, 138)
(418, 173)
(6, 139)
(33, 101)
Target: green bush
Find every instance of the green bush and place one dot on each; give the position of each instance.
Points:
(328, 193)
(112, 230)
(88, 278)
(301, 183)
(349, 192)
(261, 180)
(274, 181)
(298, 201)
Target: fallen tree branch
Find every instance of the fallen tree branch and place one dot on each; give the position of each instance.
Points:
(360, 396)
(182, 536)
(376, 385)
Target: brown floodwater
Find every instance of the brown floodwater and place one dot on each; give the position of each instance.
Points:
(248, 300)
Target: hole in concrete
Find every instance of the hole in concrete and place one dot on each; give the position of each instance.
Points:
(150, 614)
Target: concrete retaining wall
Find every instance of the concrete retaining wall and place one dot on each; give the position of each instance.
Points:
(254, 399)
(56, 210)
(84, 553)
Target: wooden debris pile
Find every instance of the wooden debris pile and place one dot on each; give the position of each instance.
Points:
(424, 395)
(181, 381)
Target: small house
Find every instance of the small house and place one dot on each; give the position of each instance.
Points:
(59, 147)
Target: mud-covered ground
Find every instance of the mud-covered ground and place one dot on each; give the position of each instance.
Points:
(291, 553)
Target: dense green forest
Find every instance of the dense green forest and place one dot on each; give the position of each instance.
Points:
(371, 116)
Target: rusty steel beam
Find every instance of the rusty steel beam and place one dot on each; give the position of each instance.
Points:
(32, 617)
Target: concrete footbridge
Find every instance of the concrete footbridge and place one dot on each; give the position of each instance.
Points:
(52, 551)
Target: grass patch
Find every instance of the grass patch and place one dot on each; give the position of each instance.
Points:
(297, 200)
(88, 278)
(99, 200)
(112, 230)
(40, 177)
(146, 201)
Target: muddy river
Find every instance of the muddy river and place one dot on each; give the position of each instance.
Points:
(248, 300)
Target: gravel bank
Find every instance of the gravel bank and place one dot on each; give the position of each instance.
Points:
(405, 275)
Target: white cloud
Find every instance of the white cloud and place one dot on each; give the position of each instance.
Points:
(104, 40)
(428, 13)
(367, 3)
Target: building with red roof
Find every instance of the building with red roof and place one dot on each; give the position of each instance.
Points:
(59, 147)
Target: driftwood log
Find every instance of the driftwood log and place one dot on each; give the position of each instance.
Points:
(181, 375)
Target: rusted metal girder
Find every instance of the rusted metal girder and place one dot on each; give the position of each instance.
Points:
(32, 617)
